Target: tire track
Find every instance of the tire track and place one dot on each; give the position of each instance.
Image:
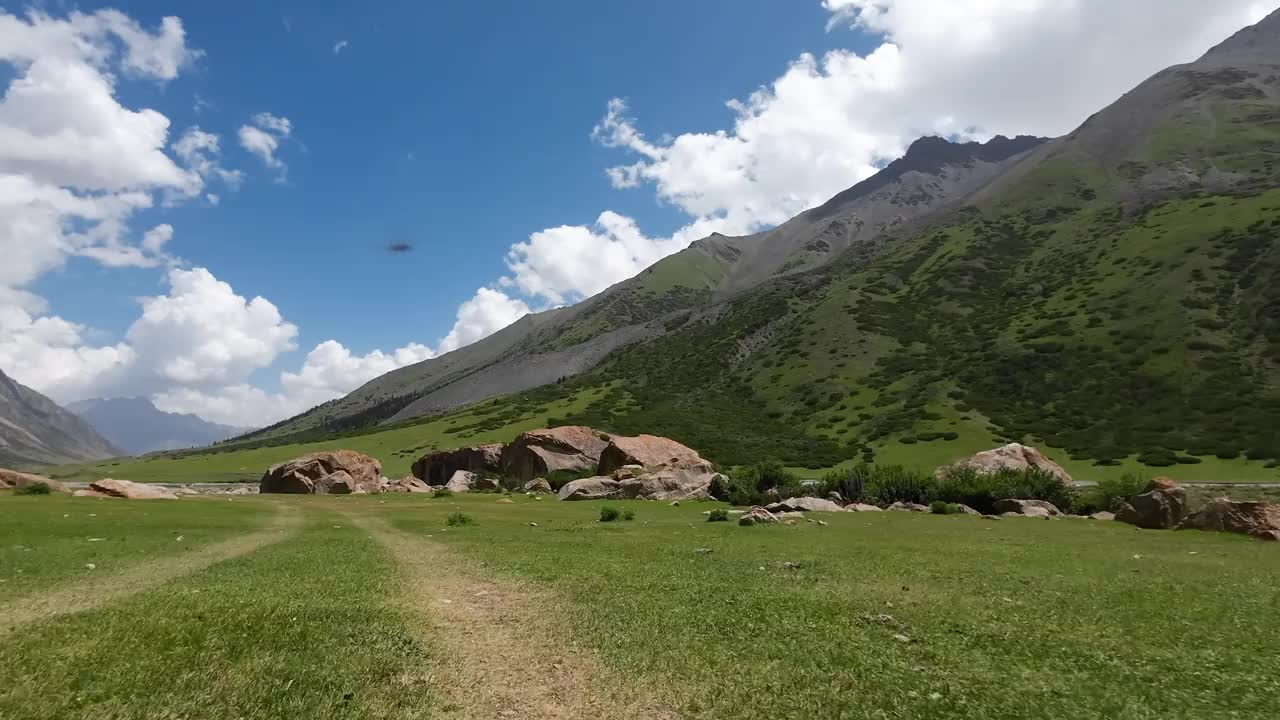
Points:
(502, 660)
(99, 591)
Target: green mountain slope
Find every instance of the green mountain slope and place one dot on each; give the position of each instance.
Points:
(1114, 293)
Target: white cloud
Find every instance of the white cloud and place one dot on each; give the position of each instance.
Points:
(339, 46)
(487, 312)
(201, 151)
(263, 137)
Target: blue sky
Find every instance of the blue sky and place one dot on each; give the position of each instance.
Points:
(197, 207)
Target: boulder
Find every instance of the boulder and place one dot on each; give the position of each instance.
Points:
(757, 516)
(15, 479)
(465, 481)
(407, 484)
(1161, 506)
(1013, 456)
(804, 504)
(436, 468)
(1257, 519)
(863, 507)
(909, 507)
(1031, 508)
(600, 488)
(328, 472)
(539, 453)
(538, 486)
(966, 510)
(648, 451)
(131, 490)
(660, 484)
(89, 493)
(1103, 515)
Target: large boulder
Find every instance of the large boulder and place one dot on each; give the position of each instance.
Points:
(648, 451)
(336, 472)
(407, 484)
(601, 488)
(131, 490)
(661, 483)
(15, 479)
(436, 468)
(1030, 508)
(804, 504)
(539, 453)
(539, 486)
(464, 481)
(1257, 519)
(1161, 506)
(901, 506)
(1013, 456)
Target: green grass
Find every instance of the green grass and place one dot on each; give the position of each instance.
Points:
(306, 628)
(1056, 619)
(46, 541)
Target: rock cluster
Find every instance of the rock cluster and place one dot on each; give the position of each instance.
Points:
(1256, 519)
(15, 479)
(334, 472)
(1161, 506)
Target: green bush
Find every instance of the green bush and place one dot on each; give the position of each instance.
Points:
(442, 493)
(718, 515)
(608, 513)
(980, 491)
(36, 488)
(876, 484)
(1109, 493)
(459, 519)
(628, 514)
(938, 507)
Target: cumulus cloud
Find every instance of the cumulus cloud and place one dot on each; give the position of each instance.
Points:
(201, 152)
(263, 136)
(487, 312)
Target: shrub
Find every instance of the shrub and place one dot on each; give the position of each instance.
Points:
(938, 507)
(442, 493)
(1158, 457)
(1109, 493)
(980, 491)
(608, 513)
(876, 484)
(718, 515)
(628, 514)
(459, 519)
(36, 488)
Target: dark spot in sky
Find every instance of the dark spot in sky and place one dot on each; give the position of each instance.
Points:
(399, 248)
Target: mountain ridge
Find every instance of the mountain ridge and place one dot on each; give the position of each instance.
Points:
(136, 426)
(34, 430)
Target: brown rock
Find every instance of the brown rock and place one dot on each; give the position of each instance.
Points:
(601, 488)
(321, 473)
(89, 493)
(539, 486)
(966, 510)
(131, 490)
(863, 507)
(408, 484)
(506, 501)
(804, 504)
(909, 507)
(757, 516)
(648, 451)
(1031, 508)
(1104, 515)
(1258, 519)
(539, 453)
(15, 479)
(1161, 506)
(436, 468)
(1013, 456)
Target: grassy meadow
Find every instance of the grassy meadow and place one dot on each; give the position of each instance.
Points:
(861, 615)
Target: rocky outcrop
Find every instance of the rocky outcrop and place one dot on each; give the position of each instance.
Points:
(601, 488)
(131, 490)
(539, 453)
(1161, 506)
(334, 472)
(539, 486)
(464, 481)
(804, 504)
(15, 479)
(1256, 519)
(632, 482)
(1030, 508)
(648, 451)
(1013, 456)
(407, 484)
(436, 468)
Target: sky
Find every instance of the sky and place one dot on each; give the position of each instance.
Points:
(249, 208)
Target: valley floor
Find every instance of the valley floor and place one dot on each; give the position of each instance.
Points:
(374, 607)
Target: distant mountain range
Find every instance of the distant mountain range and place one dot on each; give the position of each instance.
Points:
(34, 430)
(136, 426)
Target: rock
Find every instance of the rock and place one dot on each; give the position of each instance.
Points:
(539, 486)
(675, 503)
(992, 517)
(539, 453)
(1161, 506)
(788, 515)
(506, 501)
(131, 490)
(1013, 456)
(804, 504)
(600, 488)
(15, 479)
(1257, 519)
(1104, 515)
(772, 494)
(436, 468)
(407, 484)
(757, 516)
(1031, 508)
(648, 451)
(863, 507)
(835, 497)
(89, 493)
(322, 473)
(627, 472)
(467, 481)
(186, 491)
(909, 507)
(966, 510)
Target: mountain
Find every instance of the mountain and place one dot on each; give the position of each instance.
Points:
(138, 427)
(1113, 293)
(35, 431)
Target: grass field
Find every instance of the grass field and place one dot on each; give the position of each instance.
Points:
(373, 607)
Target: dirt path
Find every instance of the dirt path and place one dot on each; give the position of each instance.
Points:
(103, 590)
(503, 659)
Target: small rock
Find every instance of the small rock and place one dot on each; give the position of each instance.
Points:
(96, 539)
(532, 524)
(703, 551)
(90, 566)
(792, 565)
(822, 523)
(902, 638)
(506, 501)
